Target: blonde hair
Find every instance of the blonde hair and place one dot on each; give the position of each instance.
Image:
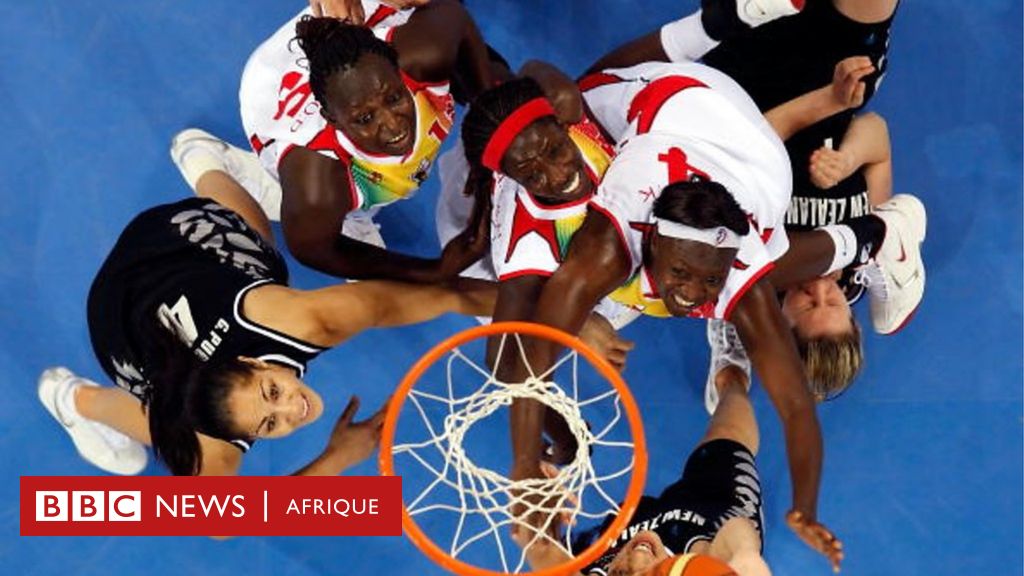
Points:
(831, 362)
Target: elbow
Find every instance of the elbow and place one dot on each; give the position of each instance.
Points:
(307, 251)
(319, 252)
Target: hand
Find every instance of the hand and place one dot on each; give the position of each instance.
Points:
(349, 10)
(352, 10)
(848, 81)
(816, 536)
(473, 242)
(524, 530)
(560, 90)
(828, 167)
(356, 441)
(599, 334)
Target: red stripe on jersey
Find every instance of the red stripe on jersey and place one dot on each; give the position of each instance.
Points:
(327, 139)
(622, 233)
(380, 14)
(523, 223)
(649, 100)
(527, 272)
(415, 85)
(258, 145)
(746, 286)
(596, 80)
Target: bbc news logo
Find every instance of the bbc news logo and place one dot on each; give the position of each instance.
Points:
(89, 506)
(211, 506)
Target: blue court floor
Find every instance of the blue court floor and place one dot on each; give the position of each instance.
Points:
(923, 473)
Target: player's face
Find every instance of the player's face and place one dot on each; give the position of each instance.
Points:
(273, 403)
(818, 309)
(688, 274)
(641, 552)
(544, 160)
(371, 105)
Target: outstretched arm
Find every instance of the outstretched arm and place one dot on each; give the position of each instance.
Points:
(329, 316)
(596, 263)
(440, 41)
(349, 444)
(646, 48)
(317, 195)
(352, 10)
(772, 351)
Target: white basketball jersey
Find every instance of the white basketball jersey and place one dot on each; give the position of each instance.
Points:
(279, 112)
(674, 122)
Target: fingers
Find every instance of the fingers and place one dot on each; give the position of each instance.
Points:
(848, 80)
(378, 416)
(855, 66)
(817, 536)
(318, 9)
(350, 411)
(825, 168)
(616, 358)
(355, 12)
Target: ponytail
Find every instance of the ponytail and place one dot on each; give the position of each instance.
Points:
(188, 396)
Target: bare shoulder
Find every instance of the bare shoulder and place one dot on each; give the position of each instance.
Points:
(220, 458)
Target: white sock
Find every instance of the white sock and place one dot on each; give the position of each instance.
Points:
(845, 243)
(685, 40)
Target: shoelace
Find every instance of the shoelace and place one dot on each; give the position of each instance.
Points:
(728, 343)
(870, 277)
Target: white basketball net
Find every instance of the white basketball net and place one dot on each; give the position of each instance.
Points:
(468, 490)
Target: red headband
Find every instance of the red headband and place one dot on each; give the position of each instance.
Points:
(511, 127)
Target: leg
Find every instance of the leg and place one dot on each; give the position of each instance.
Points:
(229, 175)
(115, 408)
(734, 416)
(226, 191)
(69, 399)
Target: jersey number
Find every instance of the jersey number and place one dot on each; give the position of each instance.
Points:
(178, 319)
(679, 169)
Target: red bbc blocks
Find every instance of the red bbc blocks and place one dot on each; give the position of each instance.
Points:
(211, 506)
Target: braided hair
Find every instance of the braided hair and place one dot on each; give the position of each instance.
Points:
(701, 204)
(332, 46)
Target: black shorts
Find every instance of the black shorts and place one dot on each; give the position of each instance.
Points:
(721, 475)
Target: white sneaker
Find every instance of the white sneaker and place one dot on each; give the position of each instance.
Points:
(363, 229)
(99, 444)
(196, 152)
(726, 350)
(757, 12)
(895, 280)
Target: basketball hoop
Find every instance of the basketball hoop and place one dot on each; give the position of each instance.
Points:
(451, 495)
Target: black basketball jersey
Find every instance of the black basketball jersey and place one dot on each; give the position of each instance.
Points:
(720, 482)
(187, 267)
(789, 57)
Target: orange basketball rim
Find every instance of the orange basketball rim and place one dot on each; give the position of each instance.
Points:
(639, 471)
